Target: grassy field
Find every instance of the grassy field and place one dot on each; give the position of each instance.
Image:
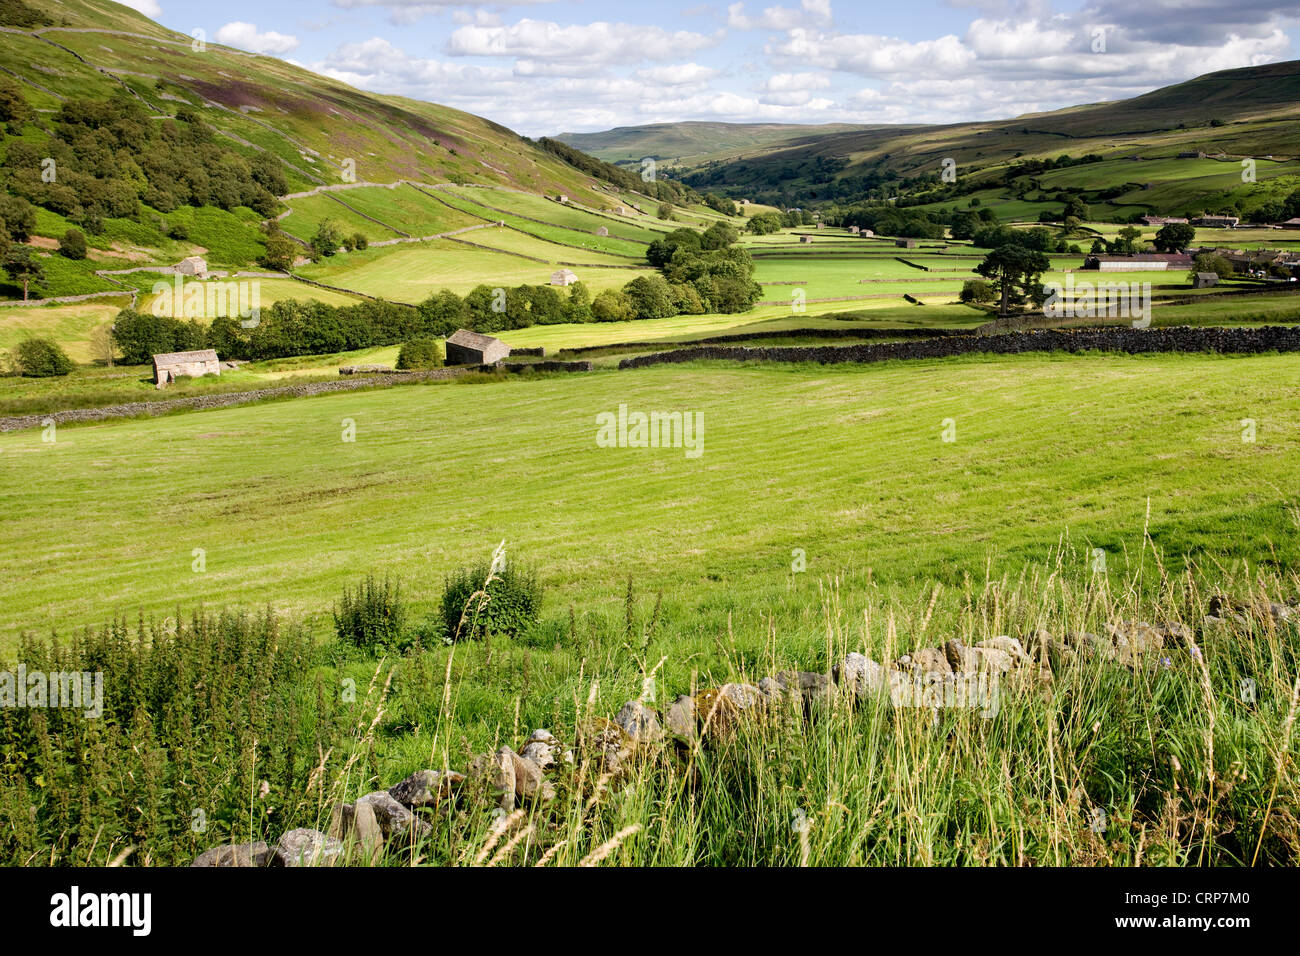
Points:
(844, 462)
(679, 570)
(412, 271)
(78, 326)
(576, 237)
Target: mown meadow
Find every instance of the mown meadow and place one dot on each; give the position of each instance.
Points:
(826, 514)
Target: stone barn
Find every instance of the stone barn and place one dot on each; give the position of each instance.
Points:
(854, 230)
(805, 238)
(473, 348)
(905, 243)
(169, 366)
(1204, 280)
(563, 277)
(602, 231)
(192, 266)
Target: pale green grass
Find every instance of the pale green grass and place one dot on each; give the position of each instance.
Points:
(308, 212)
(76, 327)
(844, 462)
(410, 272)
(270, 291)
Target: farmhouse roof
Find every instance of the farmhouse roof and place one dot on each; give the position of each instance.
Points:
(179, 358)
(1173, 258)
(1206, 276)
(471, 340)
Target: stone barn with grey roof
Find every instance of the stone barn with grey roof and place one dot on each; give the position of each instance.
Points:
(473, 348)
(169, 366)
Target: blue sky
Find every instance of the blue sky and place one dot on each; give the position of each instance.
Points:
(547, 67)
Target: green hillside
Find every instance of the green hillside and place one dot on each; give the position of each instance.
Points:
(688, 144)
(1248, 112)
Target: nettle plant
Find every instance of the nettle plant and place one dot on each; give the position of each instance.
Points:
(491, 598)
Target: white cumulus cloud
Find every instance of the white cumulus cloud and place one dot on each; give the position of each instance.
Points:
(245, 36)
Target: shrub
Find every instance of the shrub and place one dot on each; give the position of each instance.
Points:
(374, 615)
(508, 605)
(977, 290)
(359, 241)
(420, 353)
(42, 358)
(73, 244)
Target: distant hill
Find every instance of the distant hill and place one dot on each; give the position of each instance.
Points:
(1253, 111)
(692, 143)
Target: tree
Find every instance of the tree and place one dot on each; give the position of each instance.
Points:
(328, 238)
(42, 358)
(611, 306)
(73, 244)
(1077, 208)
(281, 252)
(579, 305)
(23, 265)
(1127, 242)
(719, 236)
(1174, 236)
(17, 217)
(665, 211)
(974, 291)
(420, 353)
(1013, 269)
(13, 107)
(443, 313)
(1211, 262)
(651, 297)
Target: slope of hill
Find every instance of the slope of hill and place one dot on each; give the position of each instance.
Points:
(1244, 112)
(321, 130)
(691, 143)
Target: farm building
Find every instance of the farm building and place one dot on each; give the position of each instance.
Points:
(169, 366)
(1204, 280)
(192, 266)
(1217, 222)
(602, 231)
(1291, 224)
(867, 233)
(1161, 220)
(905, 243)
(562, 198)
(563, 277)
(1143, 262)
(473, 348)
(619, 210)
(805, 238)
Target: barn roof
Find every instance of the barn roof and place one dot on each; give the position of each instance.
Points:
(471, 340)
(178, 358)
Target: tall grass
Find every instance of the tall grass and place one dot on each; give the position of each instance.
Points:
(1169, 762)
